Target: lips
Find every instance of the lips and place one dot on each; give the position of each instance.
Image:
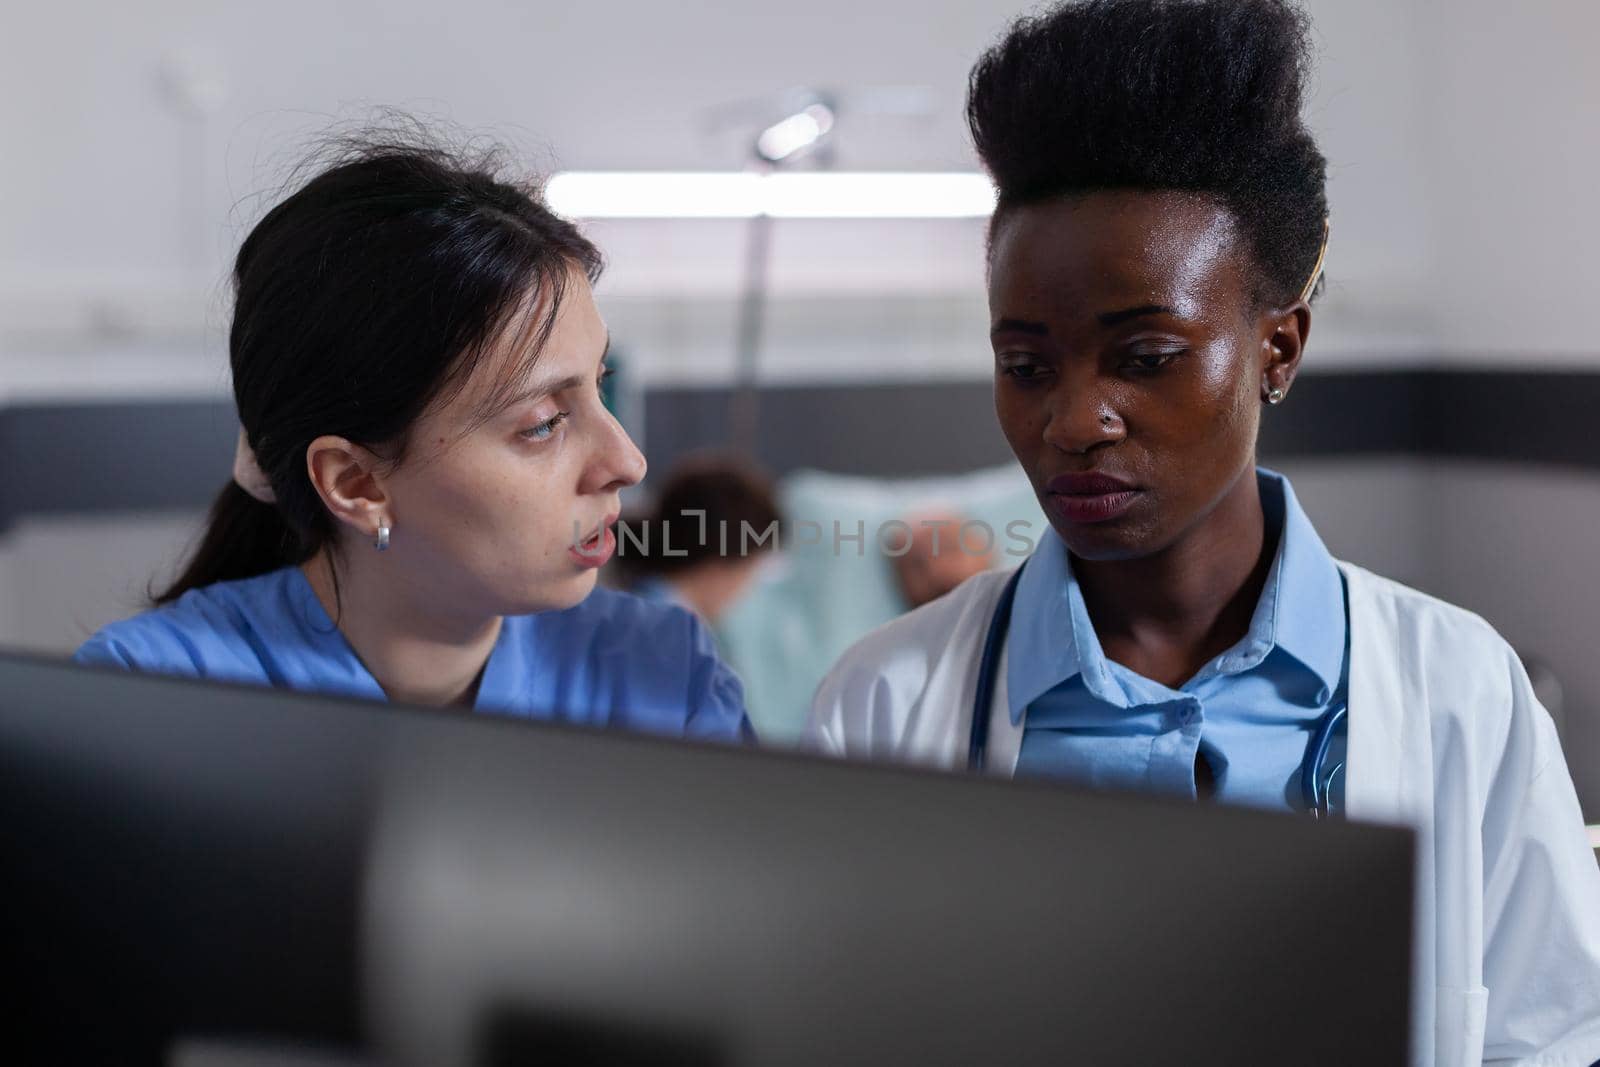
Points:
(1089, 498)
(596, 549)
(1092, 484)
(595, 534)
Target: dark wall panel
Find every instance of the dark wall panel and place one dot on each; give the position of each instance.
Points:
(111, 457)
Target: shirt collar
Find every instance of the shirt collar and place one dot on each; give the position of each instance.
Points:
(1309, 591)
(1052, 639)
(1049, 626)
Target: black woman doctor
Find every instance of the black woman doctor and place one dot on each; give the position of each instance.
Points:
(1181, 628)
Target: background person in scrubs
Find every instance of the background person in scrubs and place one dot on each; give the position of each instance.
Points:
(715, 522)
(1181, 628)
(427, 478)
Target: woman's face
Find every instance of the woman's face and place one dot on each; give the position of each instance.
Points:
(1130, 362)
(488, 519)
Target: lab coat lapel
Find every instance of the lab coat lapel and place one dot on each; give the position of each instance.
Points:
(1373, 785)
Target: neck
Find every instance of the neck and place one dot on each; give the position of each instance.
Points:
(417, 653)
(1170, 612)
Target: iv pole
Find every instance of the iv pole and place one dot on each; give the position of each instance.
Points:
(801, 133)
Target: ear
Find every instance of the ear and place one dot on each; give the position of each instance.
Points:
(345, 477)
(1284, 332)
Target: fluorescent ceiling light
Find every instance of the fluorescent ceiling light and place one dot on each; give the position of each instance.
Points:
(806, 195)
(795, 134)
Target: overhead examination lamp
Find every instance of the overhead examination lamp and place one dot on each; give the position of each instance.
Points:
(787, 140)
(802, 133)
(796, 135)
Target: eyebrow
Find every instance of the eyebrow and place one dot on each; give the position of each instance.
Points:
(1112, 318)
(1020, 326)
(541, 389)
(1105, 318)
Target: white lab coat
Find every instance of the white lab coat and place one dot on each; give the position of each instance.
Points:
(1445, 735)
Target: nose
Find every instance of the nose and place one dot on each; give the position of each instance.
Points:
(1081, 421)
(617, 462)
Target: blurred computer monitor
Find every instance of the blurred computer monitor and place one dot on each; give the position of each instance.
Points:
(193, 872)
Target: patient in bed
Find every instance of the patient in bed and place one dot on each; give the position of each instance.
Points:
(941, 551)
(816, 598)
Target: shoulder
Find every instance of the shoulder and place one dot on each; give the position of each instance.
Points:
(204, 633)
(923, 634)
(1451, 661)
(891, 668)
(1418, 621)
(652, 655)
(611, 616)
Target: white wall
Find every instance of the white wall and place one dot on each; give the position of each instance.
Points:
(111, 191)
(1517, 545)
(62, 578)
(1460, 136)
(1513, 147)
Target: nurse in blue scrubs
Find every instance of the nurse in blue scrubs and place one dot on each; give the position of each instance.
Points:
(426, 478)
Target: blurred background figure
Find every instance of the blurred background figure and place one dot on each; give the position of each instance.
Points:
(857, 551)
(714, 523)
(937, 557)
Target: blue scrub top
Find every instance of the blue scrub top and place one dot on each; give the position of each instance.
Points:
(1250, 710)
(660, 591)
(613, 660)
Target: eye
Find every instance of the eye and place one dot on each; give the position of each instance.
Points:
(1149, 362)
(1024, 370)
(604, 375)
(546, 429)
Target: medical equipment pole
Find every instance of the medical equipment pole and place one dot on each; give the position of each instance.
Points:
(744, 411)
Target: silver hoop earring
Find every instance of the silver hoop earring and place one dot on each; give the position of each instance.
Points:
(1275, 395)
(382, 540)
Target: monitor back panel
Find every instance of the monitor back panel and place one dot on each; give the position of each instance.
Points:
(437, 888)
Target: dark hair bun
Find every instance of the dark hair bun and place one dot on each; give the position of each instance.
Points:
(1195, 95)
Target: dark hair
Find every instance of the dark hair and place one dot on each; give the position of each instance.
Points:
(728, 491)
(363, 298)
(1200, 96)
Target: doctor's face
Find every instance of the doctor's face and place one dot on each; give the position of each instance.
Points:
(1129, 363)
(487, 513)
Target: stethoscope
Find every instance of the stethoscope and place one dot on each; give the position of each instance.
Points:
(1315, 788)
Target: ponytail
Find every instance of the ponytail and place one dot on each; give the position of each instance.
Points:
(244, 538)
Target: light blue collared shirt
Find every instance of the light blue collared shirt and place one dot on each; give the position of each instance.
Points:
(1251, 710)
(613, 660)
